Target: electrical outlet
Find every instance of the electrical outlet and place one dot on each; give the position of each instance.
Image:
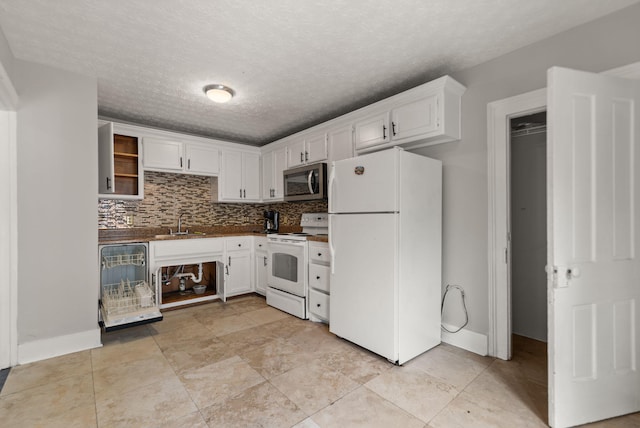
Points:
(128, 219)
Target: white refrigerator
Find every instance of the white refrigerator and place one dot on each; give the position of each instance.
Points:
(385, 237)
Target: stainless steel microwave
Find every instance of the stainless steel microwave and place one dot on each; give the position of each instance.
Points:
(306, 182)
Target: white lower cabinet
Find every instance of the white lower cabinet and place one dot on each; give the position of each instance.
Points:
(238, 265)
(261, 264)
(319, 287)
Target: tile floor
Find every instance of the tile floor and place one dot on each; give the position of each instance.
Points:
(247, 364)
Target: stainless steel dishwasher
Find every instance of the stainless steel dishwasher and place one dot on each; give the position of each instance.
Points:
(126, 296)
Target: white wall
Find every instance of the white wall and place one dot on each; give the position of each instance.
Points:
(57, 226)
(609, 42)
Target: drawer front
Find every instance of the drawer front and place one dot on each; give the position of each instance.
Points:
(319, 277)
(319, 304)
(260, 243)
(319, 252)
(238, 243)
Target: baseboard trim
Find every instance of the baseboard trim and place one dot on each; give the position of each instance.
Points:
(59, 345)
(466, 339)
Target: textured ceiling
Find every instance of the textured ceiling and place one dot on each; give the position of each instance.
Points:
(292, 63)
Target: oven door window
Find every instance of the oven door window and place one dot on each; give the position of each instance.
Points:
(285, 266)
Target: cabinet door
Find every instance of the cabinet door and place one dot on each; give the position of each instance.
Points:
(203, 160)
(340, 141)
(162, 155)
(251, 177)
(414, 119)
(279, 165)
(267, 176)
(316, 148)
(239, 272)
(372, 131)
(261, 269)
(231, 177)
(106, 172)
(295, 153)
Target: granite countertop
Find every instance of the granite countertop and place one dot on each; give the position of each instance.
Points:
(147, 234)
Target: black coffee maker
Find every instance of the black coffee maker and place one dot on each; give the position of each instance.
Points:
(271, 221)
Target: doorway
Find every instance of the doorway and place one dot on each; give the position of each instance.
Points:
(528, 225)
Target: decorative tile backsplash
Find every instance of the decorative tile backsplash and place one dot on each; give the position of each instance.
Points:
(167, 195)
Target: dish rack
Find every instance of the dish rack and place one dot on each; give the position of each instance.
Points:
(112, 261)
(127, 297)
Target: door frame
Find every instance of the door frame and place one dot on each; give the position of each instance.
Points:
(499, 114)
(8, 223)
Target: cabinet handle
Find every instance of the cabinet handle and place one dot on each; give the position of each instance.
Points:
(108, 183)
(393, 128)
(239, 245)
(318, 305)
(227, 268)
(229, 264)
(188, 163)
(318, 277)
(301, 158)
(241, 193)
(180, 161)
(319, 254)
(265, 260)
(384, 132)
(306, 156)
(245, 193)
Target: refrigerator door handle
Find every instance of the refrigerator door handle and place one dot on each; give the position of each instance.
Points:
(332, 189)
(309, 182)
(332, 251)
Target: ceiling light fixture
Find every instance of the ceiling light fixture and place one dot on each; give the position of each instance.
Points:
(218, 93)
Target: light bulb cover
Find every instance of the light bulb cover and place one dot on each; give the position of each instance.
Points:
(218, 93)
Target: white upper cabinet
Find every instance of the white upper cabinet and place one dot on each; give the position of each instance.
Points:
(310, 148)
(372, 131)
(340, 143)
(426, 115)
(176, 156)
(273, 163)
(162, 155)
(202, 160)
(120, 174)
(240, 177)
(415, 118)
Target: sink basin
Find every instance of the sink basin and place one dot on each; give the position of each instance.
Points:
(180, 235)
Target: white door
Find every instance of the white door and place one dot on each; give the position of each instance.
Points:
(203, 160)
(106, 173)
(593, 224)
(366, 183)
(414, 118)
(372, 131)
(316, 148)
(340, 142)
(251, 176)
(364, 296)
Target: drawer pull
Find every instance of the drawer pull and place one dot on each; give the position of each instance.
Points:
(319, 254)
(318, 277)
(239, 245)
(318, 304)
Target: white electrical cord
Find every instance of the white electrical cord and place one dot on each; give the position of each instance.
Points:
(464, 306)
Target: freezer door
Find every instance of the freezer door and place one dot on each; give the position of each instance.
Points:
(364, 296)
(366, 183)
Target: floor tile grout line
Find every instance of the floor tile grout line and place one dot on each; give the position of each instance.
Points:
(460, 391)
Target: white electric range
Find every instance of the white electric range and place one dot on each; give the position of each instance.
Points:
(287, 278)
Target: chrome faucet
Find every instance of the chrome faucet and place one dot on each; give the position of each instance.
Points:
(180, 232)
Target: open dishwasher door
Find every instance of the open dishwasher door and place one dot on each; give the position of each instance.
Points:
(126, 297)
